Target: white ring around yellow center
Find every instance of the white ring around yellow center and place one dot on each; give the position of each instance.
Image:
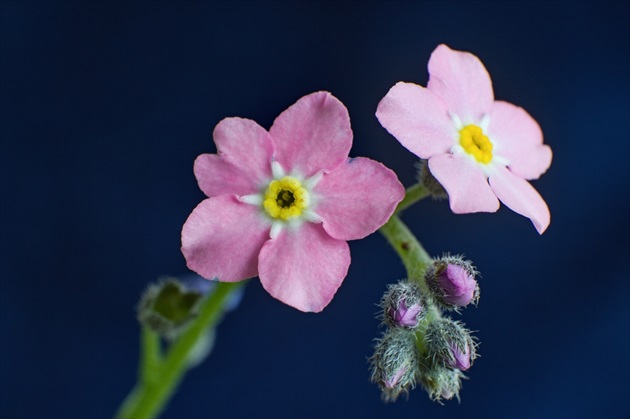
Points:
(285, 198)
(476, 143)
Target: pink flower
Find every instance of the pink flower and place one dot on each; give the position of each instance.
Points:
(479, 149)
(283, 203)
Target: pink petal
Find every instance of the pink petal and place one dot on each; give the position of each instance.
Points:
(357, 198)
(216, 176)
(304, 267)
(418, 119)
(222, 238)
(464, 181)
(246, 145)
(520, 197)
(461, 80)
(517, 137)
(312, 134)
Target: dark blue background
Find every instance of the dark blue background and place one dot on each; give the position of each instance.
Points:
(105, 105)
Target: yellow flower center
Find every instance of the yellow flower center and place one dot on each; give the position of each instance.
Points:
(473, 140)
(285, 198)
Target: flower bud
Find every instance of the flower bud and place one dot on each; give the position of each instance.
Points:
(452, 282)
(461, 356)
(395, 363)
(402, 305)
(403, 316)
(450, 344)
(441, 383)
(168, 307)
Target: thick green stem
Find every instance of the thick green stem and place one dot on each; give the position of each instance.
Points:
(411, 252)
(149, 397)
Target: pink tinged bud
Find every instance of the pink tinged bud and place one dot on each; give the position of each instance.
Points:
(395, 379)
(404, 316)
(457, 284)
(441, 383)
(395, 363)
(447, 393)
(461, 359)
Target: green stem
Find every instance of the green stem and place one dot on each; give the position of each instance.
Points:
(413, 194)
(411, 252)
(150, 357)
(149, 397)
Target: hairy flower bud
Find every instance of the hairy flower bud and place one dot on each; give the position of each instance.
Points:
(402, 305)
(395, 363)
(403, 316)
(168, 307)
(461, 356)
(452, 282)
(441, 383)
(450, 344)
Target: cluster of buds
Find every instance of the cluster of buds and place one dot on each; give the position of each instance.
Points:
(421, 345)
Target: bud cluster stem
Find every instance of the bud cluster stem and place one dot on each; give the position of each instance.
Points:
(415, 259)
(411, 252)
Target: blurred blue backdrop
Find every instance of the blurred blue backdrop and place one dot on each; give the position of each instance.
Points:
(105, 105)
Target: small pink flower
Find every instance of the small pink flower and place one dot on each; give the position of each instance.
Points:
(283, 203)
(479, 149)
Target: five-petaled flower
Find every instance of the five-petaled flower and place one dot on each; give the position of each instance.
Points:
(479, 149)
(283, 203)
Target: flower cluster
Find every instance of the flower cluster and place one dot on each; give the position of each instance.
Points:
(282, 204)
(420, 345)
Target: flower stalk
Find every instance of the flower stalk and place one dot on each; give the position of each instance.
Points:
(414, 257)
(151, 356)
(409, 249)
(159, 376)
